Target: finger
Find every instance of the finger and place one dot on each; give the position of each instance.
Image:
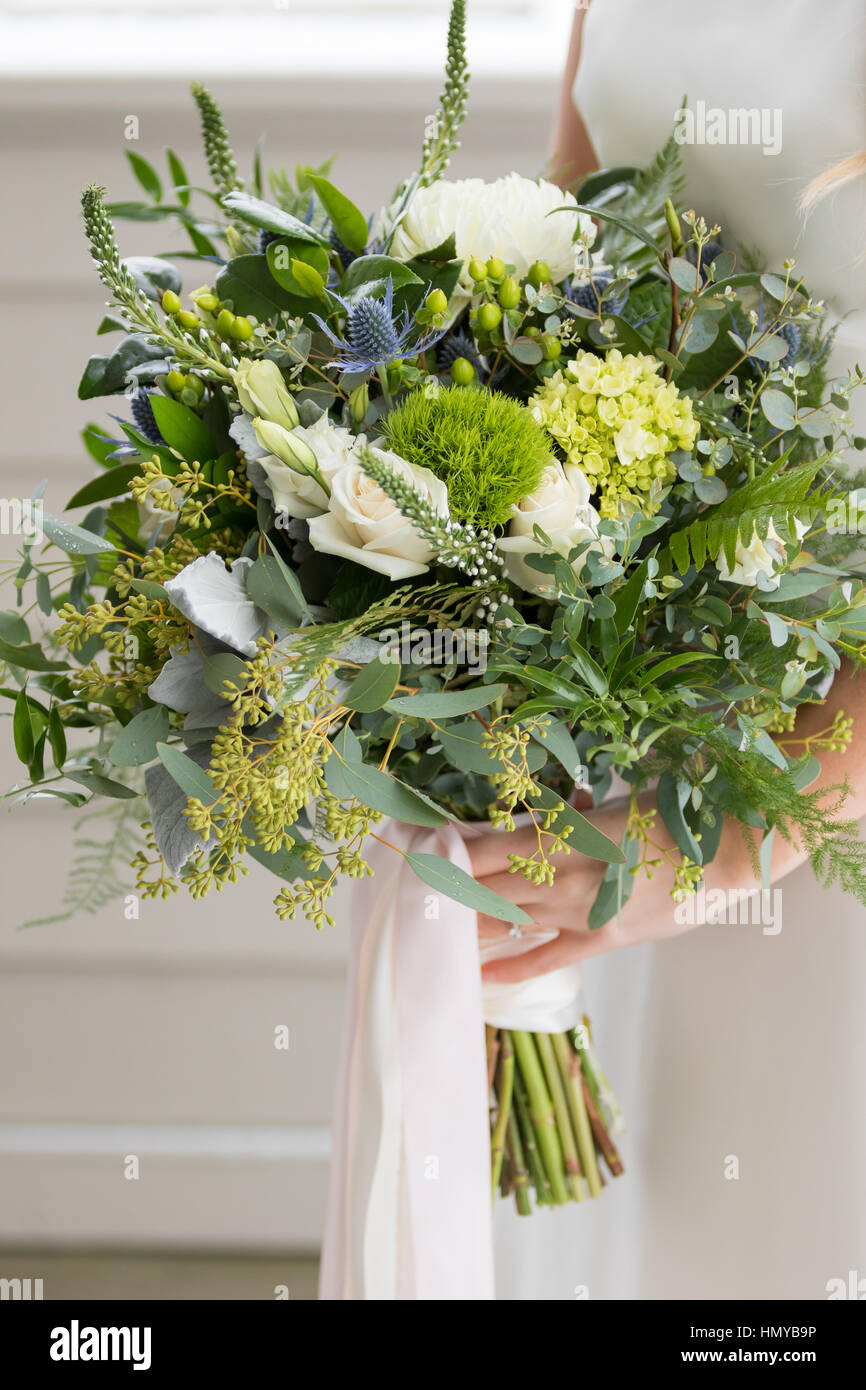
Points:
(570, 948)
(489, 852)
(512, 969)
(515, 888)
(494, 929)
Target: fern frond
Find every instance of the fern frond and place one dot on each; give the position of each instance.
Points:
(644, 203)
(777, 497)
(96, 877)
(712, 534)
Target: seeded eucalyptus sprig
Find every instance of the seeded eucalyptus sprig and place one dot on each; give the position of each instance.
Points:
(441, 138)
(201, 349)
(218, 151)
(471, 549)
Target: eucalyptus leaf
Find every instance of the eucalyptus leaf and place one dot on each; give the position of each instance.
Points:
(22, 728)
(672, 795)
(778, 408)
(446, 704)
(372, 687)
(136, 744)
(585, 837)
(384, 793)
(29, 657)
(102, 786)
(453, 882)
(616, 887)
(267, 587)
(13, 628)
(189, 775)
(74, 540)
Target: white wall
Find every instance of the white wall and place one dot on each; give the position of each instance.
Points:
(155, 1037)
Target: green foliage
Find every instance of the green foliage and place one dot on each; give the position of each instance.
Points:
(643, 203)
(836, 851)
(777, 498)
(483, 444)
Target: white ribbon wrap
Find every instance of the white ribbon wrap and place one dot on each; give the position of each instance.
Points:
(409, 1211)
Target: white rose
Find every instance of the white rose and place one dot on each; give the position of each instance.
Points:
(364, 525)
(297, 494)
(757, 557)
(512, 218)
(560, 505)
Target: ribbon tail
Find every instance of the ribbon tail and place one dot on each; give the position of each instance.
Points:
(410, 1210)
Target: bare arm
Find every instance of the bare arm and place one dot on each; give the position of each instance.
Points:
(573, 154)
(649, 913)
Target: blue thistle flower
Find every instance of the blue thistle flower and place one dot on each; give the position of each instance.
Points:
(265, 239)
(371, 338)
(591, 296)
(459, 344)
(346, 257)
(711, 250)
(792, 336)
(143, 417)
(791, 333)
(462, 344)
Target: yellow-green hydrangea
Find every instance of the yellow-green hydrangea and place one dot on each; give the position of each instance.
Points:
(618, 420)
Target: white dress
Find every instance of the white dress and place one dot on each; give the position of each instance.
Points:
(725, 1043)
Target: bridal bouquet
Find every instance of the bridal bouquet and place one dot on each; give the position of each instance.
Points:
(432, 517)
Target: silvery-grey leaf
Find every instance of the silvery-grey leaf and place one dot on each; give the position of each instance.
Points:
(242, 432)
(175, 838)
(259, 480)
(180, 686)
(361, 649)
(309, 412)
(215, 599)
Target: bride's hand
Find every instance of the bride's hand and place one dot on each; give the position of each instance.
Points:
(647, 916)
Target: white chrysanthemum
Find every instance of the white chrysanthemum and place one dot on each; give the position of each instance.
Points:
(512, 218)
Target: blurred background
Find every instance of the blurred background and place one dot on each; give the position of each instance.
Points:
(154, 1038)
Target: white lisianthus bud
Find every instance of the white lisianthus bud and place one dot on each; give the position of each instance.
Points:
(262, 392)
(284, 445)
(302, 494)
